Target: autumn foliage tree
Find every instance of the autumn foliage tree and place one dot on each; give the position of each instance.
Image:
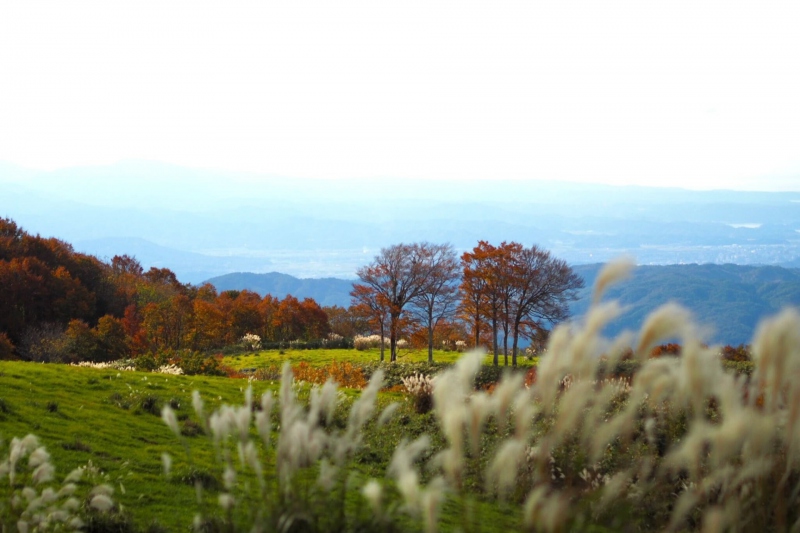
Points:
(517, 289)
(483, 273)
(372, 304)
(59, 305)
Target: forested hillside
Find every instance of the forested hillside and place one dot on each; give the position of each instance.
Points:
(60, 305)
(731, 299)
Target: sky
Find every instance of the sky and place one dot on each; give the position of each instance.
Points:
(682, 93)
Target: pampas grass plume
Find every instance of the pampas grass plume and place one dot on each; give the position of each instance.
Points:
(613, 272)
(373, 493)
(168, 415)
(668, 321)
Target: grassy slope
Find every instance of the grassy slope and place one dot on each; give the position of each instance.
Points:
(79, 414)
(89, 424)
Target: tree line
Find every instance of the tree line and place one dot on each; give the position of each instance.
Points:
(506, 292)
(60, 305)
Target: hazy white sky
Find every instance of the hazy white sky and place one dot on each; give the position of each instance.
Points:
(694, 94)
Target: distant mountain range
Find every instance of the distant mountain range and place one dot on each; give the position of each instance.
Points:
(326, 291)
(316, 228)
(730, 299)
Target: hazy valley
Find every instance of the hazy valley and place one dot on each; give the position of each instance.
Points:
(203, 224)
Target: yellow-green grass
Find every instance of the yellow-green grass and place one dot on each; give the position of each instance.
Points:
(324, 357)
(79, 415)
(85, 414)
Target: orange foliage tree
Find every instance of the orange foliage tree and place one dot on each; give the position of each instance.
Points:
(517, 289)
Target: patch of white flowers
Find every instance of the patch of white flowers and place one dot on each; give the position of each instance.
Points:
(121, 364)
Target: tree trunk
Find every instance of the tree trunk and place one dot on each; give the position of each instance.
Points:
(505, 343)
(393, 336)
(495, 359)
(382, 334)
(430, 336)
(516, 343)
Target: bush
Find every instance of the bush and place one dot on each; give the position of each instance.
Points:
(6, 348)
(45, 343)
(395, 372)
(740, 367)
(345, 374)
(740, 353)
(151, 404)
(420, 387)
(370, 341)
(251, 342)
(189, 362)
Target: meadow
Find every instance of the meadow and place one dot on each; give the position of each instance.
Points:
(684, 443)
(325, 357)
(111, 421)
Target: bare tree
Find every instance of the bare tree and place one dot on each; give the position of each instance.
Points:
(439, 295)
(542, 287)
(394, 278)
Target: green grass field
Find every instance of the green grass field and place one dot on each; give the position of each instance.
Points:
(325, 357)
(113, 420)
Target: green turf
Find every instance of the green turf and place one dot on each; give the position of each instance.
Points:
(113, 419)
(324, 357)
(83, 414)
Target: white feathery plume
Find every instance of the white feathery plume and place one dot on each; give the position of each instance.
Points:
(168, 415)
(373, 493)
(669, 320)
(613, 272)
(387, 413)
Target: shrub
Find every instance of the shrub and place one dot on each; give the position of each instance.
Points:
(344, 374)
(6, 348)
(370, 341)
(666, 349)
(45, 343)
(251, 342)
(420, 387)
(740, 353)
(76, 445)
(395, 372)
(150, 404)
(268, 373)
